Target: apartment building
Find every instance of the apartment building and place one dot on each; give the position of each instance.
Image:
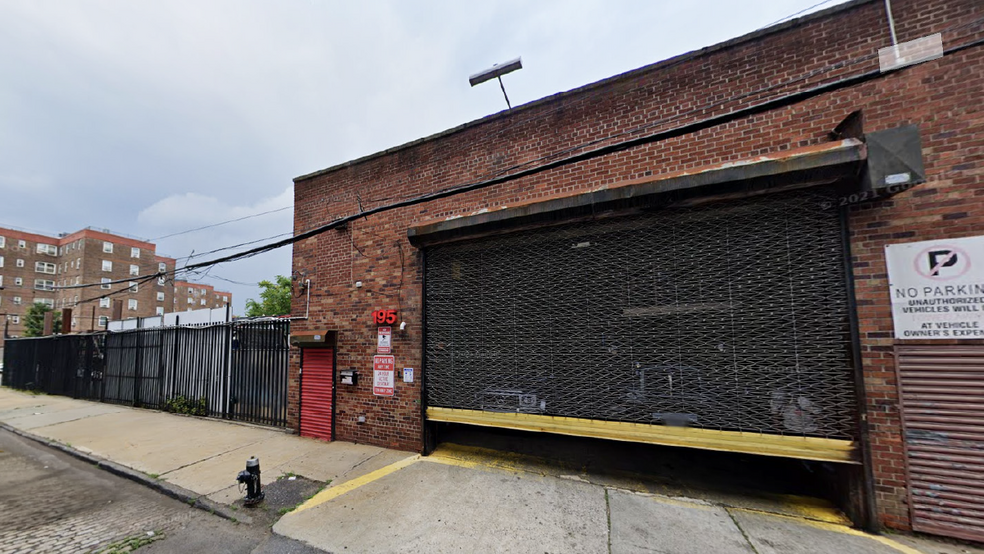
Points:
(195, 296)
(38, 268)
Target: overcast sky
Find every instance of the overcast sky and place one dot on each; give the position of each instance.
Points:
(151, 118)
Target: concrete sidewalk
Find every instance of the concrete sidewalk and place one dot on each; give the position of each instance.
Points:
(197, 454)
(456, 500)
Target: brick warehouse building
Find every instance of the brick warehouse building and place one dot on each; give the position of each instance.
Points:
(690, 254)
(34, 267)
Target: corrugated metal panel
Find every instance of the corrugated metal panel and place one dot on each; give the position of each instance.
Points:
(317, 380)
(942, 391)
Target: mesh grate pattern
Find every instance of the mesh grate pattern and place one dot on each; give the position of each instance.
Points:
(729, 317)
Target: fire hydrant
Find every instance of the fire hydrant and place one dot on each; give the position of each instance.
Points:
(250, 477)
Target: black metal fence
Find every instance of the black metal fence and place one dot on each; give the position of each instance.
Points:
(231, 370)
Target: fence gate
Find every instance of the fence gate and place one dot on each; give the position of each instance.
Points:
(679, 326)
(942, 391)
(317, 380)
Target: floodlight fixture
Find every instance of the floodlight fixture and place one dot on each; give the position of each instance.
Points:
(496, 72)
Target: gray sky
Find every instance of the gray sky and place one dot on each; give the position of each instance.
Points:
(150, 118)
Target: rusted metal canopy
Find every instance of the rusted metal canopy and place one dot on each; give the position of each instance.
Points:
(820, 164)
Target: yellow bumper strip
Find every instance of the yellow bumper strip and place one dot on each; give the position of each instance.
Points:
(806, 448)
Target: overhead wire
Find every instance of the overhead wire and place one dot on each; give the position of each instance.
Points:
(681, 130)
(210, 226)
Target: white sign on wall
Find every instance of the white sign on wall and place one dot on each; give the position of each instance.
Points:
(383, 375)
(937, 288)
(384, 343)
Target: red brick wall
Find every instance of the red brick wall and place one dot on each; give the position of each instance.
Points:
(941, 96)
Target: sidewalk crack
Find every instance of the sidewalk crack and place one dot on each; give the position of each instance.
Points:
(241, 446)
(743, 533)
(351, 469)
(608, 514)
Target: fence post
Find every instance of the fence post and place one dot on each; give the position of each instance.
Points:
(137, 370)
(227, 369)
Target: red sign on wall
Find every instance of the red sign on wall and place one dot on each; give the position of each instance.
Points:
(383, 375)
(384, 317)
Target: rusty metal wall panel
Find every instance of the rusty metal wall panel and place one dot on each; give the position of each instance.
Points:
(942, 393)
(317, 382)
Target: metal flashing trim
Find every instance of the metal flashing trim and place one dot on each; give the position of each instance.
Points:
(819, 164)
(804, 448)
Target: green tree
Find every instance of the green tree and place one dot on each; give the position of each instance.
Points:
(274, 298)
(34, 320)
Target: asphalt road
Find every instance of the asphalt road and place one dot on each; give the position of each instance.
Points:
(54, 503)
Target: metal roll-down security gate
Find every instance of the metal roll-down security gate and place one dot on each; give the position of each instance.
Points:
(722, 326)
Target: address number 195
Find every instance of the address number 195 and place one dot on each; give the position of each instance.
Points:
(384, 317)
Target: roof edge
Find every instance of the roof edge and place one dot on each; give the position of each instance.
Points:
(693, 54)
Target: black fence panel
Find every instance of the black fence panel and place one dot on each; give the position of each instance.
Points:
(197, 372)
(232, 370)
(63, 365)
(258, 373)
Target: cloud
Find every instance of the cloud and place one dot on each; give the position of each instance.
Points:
(183, 212)
(176, 212)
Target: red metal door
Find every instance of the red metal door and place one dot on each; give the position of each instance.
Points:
(943, 415)
(317, 380)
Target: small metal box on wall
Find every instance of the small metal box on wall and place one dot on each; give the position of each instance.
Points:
(348, 377)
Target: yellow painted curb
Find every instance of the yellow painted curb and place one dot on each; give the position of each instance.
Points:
(336, 491)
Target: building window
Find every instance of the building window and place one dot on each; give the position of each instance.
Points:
(203, 301)
(161, 267)
(108, 247)
(45, 267)
(44, 284)
(134, 270)
(21, 244)
(134, 252)
(161, 280)
(18, 282)
(17, 301)
(160, 310)
(103, 321)
(107, 265)
(105, 283)
(104, 302)
(3, 242)
(78, 280)
(191, 300)
(78, 263)
(225, 299)
(1, 261)
(49, 302)
(190, 290)
(133, 286)
(20, 263)
(131, 304)
(49, 249)
(160, 296)
(15, 319)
